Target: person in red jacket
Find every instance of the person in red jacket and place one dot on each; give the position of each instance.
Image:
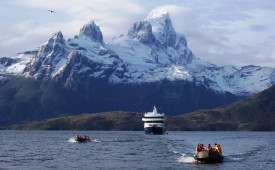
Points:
(198, 148)
(209, 147)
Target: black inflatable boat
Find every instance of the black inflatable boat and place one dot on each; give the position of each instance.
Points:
(81, 140)
(209, 156)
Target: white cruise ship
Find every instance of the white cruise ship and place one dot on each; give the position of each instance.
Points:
(154, 123)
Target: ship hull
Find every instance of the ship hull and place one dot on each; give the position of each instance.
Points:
(154, 130)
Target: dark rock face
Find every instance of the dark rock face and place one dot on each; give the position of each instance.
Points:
(142, 31)
(168, 35)
(7, 61)
(48, 55)
(58, 38)
(72, 75)
(182, 42)
(92, 31)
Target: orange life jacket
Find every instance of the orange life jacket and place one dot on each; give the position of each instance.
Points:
(217, 148)
(209, 147)
(220, 149)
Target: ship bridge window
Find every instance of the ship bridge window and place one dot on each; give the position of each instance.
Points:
(154, 122)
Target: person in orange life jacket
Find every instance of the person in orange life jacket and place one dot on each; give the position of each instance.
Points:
(218, 148)
(209, 147)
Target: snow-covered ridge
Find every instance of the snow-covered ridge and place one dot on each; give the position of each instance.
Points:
(156, 14)
(151, 51)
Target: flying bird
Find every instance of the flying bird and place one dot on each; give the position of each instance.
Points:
(51, 11)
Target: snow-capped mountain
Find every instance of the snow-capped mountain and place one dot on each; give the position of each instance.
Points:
(151, 51)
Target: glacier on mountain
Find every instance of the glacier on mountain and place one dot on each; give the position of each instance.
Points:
(151, 51)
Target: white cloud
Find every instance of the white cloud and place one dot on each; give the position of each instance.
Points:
(106, 13)
(222, 32)
(217, 32)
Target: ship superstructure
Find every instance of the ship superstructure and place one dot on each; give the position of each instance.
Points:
(154, 122)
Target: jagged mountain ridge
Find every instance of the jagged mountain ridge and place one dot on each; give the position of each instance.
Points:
(151, 65)
(150, 52)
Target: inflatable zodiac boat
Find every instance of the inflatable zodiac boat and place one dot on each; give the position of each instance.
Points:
(209, 156)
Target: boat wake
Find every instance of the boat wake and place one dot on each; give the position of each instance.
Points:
(186, 159)
(231, 159)
(242, 156)
(95, 140)
(72, 140)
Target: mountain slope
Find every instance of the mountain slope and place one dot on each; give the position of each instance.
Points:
(98, 121)
(28, 99)
(254, 113)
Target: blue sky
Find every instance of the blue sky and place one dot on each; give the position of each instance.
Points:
(222, 32)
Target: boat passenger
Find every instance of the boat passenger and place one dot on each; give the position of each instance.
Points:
(209, 147)
(202, 148)
(198, 149)
(218, 148)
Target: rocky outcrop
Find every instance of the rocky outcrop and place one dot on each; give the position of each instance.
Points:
(91, 31)
(142, 31)
(45, 60)
(162, 28)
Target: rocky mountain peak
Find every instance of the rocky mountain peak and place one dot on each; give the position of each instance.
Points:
(142, 31)
(152, 52)
(162, 27)
(158, 14)
(91, 31)
(57, 38)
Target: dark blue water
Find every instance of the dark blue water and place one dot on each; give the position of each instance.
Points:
(132, 150)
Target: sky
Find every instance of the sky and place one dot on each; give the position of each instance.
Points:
(223, 32)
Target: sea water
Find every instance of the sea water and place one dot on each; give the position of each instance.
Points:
(133, 150)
